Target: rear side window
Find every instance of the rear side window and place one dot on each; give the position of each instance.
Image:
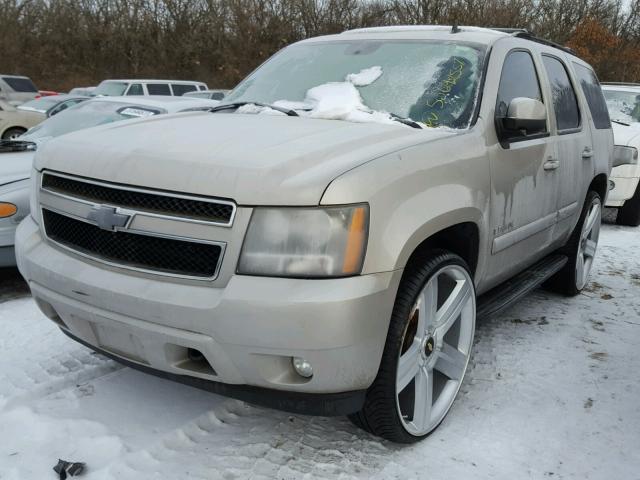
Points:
(180, 89)
(593, 93)
(565, 103)
(158, 89)
(20, 84)
(519, 79)
(135, 89)
(217, 96)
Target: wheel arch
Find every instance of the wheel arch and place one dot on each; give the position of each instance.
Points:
(600, 185)
(462, 238)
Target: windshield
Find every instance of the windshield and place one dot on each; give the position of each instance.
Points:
(85, 115)
(623, 106)
(431, 82)
(110, 89)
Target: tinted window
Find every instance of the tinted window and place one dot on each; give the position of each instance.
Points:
(593, 93)
(565, 104)
(135, 89)
(158, 89)
(519, 79)
(217, 96)
(20, 84)
(180, 89)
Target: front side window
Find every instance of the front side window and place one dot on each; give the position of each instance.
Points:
(519, 79)
(432, 82)
(135, 89)
(565, 103)
(158, 89)
(623, 105)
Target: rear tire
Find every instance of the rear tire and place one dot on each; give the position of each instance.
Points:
(581, 249)
(13, 133)
(629, 213)
(426, 353)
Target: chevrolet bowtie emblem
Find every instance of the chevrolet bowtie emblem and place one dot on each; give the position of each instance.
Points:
(107, 218)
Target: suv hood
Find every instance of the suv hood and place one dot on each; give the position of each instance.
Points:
(626, 135)
(15, 166)
(252, 159)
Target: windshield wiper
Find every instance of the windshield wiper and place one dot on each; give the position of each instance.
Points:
(405, 120)
(16, 145)
(228, 106)
(621, 123)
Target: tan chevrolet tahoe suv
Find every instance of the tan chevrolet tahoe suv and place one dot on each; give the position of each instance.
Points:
(324, 240)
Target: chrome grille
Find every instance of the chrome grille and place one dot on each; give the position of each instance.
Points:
(144, 230)
(145, 252)
(215, 211)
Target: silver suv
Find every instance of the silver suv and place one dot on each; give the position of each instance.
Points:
(324, 240)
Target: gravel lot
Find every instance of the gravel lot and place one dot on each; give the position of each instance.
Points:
(552, 392)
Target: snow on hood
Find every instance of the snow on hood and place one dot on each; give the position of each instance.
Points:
(626, 135)
(334, 101)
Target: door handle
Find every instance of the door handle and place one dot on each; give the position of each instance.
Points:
(551, 164)
(587, 153)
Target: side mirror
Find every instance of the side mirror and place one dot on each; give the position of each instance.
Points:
(624, 156)
(526, 114)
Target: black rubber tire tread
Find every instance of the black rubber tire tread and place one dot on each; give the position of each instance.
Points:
(564, 282)
(629, 213)
(379, 414)
(7, 133)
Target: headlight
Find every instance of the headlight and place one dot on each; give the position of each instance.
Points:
(33, 195)
(305, 242)
(624, 156)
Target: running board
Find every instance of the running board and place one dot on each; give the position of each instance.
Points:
(514, 289)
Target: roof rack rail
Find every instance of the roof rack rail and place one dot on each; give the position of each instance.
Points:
(626, 84)
(527, 35)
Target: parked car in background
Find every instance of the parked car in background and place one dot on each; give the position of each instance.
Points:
(51, 105)
(323, 240)
(16, 156)
(15, 122)
(16, 89)
(623, 102)
(175, 88)
(210, 94)
(82, 91)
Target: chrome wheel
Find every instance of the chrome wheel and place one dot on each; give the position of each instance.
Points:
(435, 349)
(588, 243)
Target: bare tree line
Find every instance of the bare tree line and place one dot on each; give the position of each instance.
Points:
(63, 43)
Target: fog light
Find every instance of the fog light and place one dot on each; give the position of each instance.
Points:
(302, 367)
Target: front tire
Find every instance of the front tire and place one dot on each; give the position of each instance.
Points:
(12, 133)
(629, 213)
(427, 350)
(581, 249)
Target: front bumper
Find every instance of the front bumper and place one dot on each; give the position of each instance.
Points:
(624, 189)
(248, 331)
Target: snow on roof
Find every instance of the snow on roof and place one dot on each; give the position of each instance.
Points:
(424, 28)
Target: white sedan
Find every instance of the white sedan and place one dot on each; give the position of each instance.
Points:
(17, 155)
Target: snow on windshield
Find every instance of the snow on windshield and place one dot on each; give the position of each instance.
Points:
(334, 101)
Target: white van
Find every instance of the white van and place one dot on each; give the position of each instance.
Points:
(16, 89)
(177, 88)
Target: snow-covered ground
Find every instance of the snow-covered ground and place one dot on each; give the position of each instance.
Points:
(553, 391)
